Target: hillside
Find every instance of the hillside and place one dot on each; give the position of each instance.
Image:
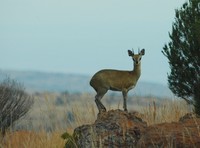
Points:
(76, 83)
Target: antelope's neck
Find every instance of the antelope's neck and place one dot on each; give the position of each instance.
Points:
(137, 70)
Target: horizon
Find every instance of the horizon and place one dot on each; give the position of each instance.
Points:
(34, 81)
(7, 72)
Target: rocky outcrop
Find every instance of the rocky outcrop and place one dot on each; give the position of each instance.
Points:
(182, 134)
(114, 128)
(117, 128)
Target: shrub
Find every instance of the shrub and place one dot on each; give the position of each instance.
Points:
(14, 103)
(183, 53)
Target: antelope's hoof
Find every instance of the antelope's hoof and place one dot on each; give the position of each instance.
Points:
(126, 110)
(103, 110)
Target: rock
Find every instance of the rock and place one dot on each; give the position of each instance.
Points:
(117, 128)
(188, 116)
(114, 128)
(185, 133)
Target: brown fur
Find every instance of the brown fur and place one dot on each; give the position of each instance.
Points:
(116, 80)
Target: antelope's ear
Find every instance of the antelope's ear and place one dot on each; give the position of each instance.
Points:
(142, 52)
(130, 53)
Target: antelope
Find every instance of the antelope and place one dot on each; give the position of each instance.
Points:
(117, 80)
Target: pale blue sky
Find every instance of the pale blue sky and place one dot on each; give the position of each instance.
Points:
(84, 36)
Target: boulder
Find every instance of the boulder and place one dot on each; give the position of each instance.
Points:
(117, 128)
(114, 128)
(182, 134)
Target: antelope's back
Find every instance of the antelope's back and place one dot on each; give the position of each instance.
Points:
(108, 77)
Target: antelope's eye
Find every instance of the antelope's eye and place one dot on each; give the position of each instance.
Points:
(140, 58)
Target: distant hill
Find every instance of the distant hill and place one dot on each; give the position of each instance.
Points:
(76, 83)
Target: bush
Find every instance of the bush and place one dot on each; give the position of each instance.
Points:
(14, 103)
(183, 53)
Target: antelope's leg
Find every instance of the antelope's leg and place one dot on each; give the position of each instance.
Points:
(124, 93)
(100, 106)
(98, 98)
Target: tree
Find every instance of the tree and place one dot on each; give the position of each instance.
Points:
(14, 103)
(183, 53)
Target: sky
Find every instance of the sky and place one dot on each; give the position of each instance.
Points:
(85, 36)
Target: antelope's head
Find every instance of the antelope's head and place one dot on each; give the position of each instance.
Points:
(136, 57)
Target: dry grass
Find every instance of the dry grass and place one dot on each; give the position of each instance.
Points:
(31, 139)
(167, 111)
(47, 121)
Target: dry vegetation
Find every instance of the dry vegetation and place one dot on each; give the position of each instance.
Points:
(53, 114)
